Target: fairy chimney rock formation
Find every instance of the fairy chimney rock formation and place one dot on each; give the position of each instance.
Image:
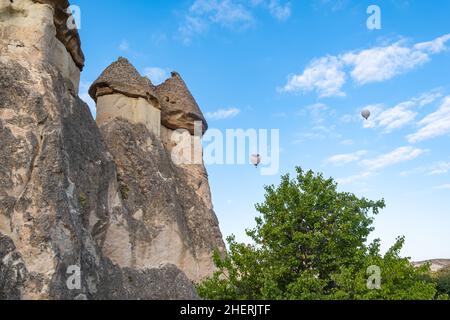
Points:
(170, 213)
(120, 91)
(111, 210)
(40, 30)
(179, 108)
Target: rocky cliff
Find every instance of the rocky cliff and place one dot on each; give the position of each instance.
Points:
(108, 202)
(170, 218)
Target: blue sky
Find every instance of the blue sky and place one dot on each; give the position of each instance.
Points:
(307, 68)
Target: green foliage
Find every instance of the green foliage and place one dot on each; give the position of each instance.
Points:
(82, 199)
(442, 278)
(310, 243)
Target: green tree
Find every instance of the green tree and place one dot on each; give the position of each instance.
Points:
(442, 278)
(310, 243)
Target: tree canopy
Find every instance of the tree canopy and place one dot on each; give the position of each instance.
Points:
(310, 242)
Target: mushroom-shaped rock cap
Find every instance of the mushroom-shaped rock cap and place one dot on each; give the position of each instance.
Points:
(122, 77)
(179, 110)
(68, 36)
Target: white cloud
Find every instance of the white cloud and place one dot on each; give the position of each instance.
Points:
(383, 63)
(278, 10)
(443, 187)
(226, 13)
(440, 168)
(375, 111)
(223, 114)
(399, 155)
(400, 115)
(327, 75)
(373, 166)
(433, 125)
(124, 46)
(231, 14)
(432, 170)
(157, 75)
(333, 4)
(435, 46)
(324, 76)
(318, 112)
(396, 117)
(354, 178)
(318, 132)
(341, 159)
(428, 97)
(407, 173)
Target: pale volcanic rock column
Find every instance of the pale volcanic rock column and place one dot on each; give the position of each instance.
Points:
(180, 114)
(183, 123)
(38, 31)
(120, 92)
(60, 200)
(170, 218)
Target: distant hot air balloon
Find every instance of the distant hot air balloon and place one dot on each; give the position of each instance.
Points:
(255, 159)
(366, 114)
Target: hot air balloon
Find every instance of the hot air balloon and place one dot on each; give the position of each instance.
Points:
(255, 159)
(366, 114)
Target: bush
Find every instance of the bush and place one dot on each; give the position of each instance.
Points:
(442, 279)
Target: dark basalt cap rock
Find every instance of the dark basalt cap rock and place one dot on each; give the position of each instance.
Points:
(179, 110)
(122, 77)
(69, 37)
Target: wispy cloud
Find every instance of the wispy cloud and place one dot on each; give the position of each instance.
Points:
(280, 11)
(319, 132)
(157, 75)
(443, 187)
(223, 114)
(404, 113)
(397, 156)
(230, 14)
(431, 170)
(383, 63)
(324, 76)
(317, 112)
(327, 75)
(333, 4)
(124, 46)
(440, 168)
(433, 125)
(342, 159)
(355, 178)
(375, 165)
(435, 46)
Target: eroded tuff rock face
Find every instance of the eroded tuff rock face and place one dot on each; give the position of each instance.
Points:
(61, 197)
(122, 77)
(169, 222)
(171, 219)
(179, 108)
(28, 32)
(121, 92)
(66, 31)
